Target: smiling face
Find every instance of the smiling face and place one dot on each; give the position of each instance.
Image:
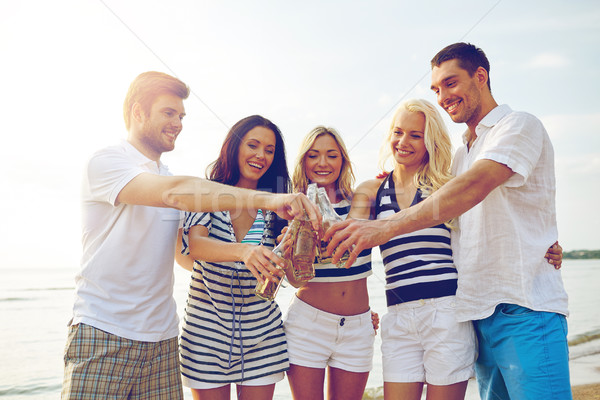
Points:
(407, 139)
(323, 162)
(457, 92)
(162, 126)
(255, 155)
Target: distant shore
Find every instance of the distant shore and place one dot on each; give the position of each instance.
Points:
(581, 254)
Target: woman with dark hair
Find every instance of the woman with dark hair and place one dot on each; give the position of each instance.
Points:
(226, 169)
(230, 335)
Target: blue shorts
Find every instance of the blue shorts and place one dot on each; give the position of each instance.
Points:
(523, 354)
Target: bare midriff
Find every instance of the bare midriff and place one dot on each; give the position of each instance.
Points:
(341, 298)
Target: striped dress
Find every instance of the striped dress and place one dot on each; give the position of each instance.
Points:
(418, 265)
(229, 335)
(361, 267)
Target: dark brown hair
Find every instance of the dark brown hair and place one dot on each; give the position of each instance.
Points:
(469, 58)
(226, 169)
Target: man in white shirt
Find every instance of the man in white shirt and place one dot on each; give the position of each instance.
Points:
(123, 336)
(504, 198)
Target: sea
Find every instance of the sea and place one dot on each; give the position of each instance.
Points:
(35, 307)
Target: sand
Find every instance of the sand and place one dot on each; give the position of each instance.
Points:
(587, 392)
(585, 377)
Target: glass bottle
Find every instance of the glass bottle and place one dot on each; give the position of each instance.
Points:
(311, 192)
(304, 249)
(329, 218)
(268, 289)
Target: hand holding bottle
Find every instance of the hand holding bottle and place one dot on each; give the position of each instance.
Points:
(268, 287)
(262, 262)
(330, 217)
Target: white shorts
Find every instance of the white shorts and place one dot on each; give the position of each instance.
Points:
(423, 342)
(262, 381)
(318, 339)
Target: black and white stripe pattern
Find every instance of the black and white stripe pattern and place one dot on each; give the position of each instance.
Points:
(361, 267)
(417, 265)
(229, 335)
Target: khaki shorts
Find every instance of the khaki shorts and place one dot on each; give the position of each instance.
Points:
(423, 342)
(99, 365)
(318, 339)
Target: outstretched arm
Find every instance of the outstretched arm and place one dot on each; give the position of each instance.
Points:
(200, 195)
(451, 200)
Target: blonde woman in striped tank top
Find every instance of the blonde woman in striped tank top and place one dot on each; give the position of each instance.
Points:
(329, 326)
(422, 340)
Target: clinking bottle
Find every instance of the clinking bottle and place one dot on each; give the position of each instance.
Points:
(304, 250)
(329, 218)
(304, 245)
(299, 258)
(270, 286)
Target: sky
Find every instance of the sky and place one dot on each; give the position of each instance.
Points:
(66, 66)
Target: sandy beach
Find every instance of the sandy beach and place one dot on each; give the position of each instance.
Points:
(585, 370)
(585, 377)
(586, 392)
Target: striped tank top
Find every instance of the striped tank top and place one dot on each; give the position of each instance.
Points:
(361, 267)
(418, 265)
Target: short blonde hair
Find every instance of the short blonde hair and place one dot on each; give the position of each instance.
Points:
(435, 171)
(344, 183)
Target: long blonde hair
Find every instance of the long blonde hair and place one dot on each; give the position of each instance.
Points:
(344, 183)
(435, 171)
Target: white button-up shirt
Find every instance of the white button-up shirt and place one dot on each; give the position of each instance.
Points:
(499, 245)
